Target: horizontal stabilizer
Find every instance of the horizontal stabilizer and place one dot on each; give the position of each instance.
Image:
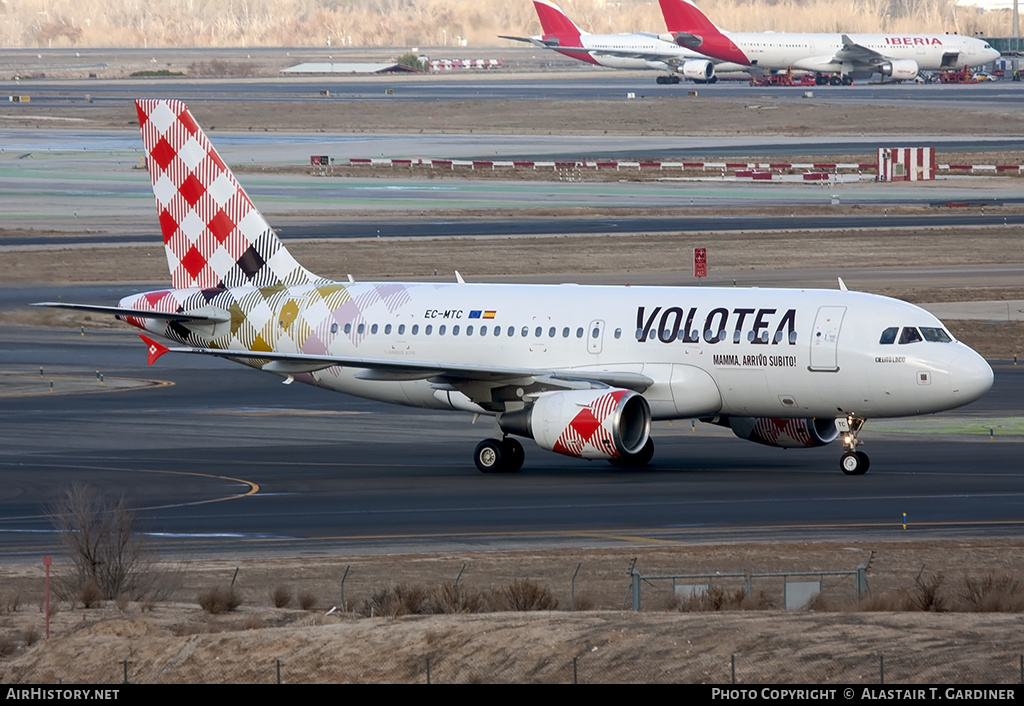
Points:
(691, 41)
(206, 318)
(155, 349)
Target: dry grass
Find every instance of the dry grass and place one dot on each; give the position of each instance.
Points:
(437, 23)
(424, 615)
(219, 599)
(281, 596)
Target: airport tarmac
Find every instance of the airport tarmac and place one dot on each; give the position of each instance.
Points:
(223, 459)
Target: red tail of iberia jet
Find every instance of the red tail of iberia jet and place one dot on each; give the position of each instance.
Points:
(556, 23)
(213, 235)
(692, 28)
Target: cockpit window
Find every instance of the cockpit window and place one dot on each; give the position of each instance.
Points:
(935, 334)
(889, 336)
(910, 335)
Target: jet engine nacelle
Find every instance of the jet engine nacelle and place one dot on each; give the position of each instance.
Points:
(698, 70)
(899, 69)
(784, 433)
(601, 424)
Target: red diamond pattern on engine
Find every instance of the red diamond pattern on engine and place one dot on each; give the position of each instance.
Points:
(207, 220)
(782, 432)
(591, 427)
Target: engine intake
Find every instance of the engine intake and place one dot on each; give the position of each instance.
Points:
(698, 70)
(899, 69)
(599, 424)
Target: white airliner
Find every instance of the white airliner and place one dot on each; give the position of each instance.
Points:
(835, 58)
(622, 51)
(581, 370)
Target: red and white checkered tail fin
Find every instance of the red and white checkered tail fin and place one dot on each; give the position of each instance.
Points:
(213, 234)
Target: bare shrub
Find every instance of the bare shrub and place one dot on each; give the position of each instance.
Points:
(990, 594)
(219, 68)
(90, 595)
(451, 598)
(12, 602)
(584, 601)
(391, 602)
(758, 600)
(54, 607)
(219, 599)
(307, 600)
(189, 629)
(30, 636)
(281, 596)
(7, 645)
(526, 594)
(927, 594)
(99, 535)
(252, 622)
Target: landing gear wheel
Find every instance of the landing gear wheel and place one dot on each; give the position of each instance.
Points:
(488, 456)
(864, 461)
(834, 81)
(847, 80)
(675, 80)
(660, 80)
(854, 463)
(640, 458)
(513, 455)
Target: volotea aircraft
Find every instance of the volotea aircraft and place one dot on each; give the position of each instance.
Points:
(582, 370)
(835, 58)
(622, 51)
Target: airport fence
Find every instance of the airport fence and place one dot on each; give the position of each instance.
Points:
(656, 665)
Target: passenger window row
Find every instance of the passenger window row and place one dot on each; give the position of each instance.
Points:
(470, 330)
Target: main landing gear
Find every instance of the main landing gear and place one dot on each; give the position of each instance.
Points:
(853, 462)
(833, 79)
(672, 79)
(499, 455)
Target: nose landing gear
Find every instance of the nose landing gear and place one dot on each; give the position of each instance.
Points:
(853, 462)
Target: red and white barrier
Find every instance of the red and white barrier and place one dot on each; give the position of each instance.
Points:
(906, 163)
(902, 164)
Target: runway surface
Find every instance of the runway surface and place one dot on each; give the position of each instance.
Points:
(576, 84)
(103, 194)
(228, 460)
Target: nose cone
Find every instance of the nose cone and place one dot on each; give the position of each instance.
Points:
(971, 377)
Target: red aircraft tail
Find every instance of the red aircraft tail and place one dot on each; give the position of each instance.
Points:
(213, 234)
(556, 23)
(694, 30)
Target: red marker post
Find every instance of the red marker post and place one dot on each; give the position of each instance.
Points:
(700, 262)
(47, 560)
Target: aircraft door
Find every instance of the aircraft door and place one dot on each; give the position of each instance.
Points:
(595, 336)
(825, 339)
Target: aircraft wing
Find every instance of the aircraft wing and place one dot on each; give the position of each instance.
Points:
(535, 41)
(858, 53)
(384, 369)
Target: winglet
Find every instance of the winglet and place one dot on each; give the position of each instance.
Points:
(842, 285)
(155, 349)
